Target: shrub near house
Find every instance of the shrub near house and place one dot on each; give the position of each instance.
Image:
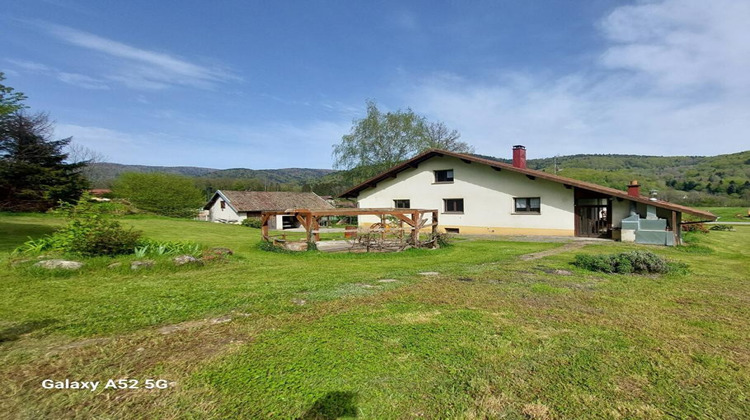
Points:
(164, 194)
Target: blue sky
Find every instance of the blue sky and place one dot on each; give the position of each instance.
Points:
(276, 84)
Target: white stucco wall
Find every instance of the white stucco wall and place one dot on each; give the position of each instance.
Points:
(487, 194)
(227, 213)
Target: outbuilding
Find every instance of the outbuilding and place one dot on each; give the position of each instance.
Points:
(236, 206)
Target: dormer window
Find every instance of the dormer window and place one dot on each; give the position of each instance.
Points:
(444, 176)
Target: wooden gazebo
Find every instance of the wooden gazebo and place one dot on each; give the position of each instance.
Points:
(310, 219)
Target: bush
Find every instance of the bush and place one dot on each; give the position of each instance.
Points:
(95, 236)
(90, 232)
(639, 262)
(86, 236)
(164, 194)
(726, 228)
(252, 222)
(695, 227)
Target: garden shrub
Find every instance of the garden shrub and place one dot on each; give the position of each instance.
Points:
(252, 222)
(164, 194)
(726, 228)
(695, 227)
(87, 236)
(98, 236)
(90, 232)
(639, 262)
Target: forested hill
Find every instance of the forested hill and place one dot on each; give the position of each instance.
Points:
(712, 180)
(279, 176)
(102, 174)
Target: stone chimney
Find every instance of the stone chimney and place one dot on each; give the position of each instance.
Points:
(519, 156)
(634, 188)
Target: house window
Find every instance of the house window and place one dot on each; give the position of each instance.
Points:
(223, 204)
(528, 205)
(401, 204)
(445, 175)
(454, 205)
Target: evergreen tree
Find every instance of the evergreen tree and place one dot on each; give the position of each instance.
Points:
(34, 174)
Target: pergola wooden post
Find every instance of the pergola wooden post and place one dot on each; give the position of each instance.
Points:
(415, 228)
(315, 228)
(310, 219)
(264, 225)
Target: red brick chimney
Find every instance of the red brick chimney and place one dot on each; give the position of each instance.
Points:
(634, 188)
(519, 156)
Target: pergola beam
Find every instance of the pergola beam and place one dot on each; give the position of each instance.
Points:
(310, 219)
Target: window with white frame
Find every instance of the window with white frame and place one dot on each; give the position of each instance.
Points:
(527, 205)
(453, 205)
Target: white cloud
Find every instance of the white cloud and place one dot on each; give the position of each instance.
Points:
(28, 65)
(81, 80)
(673, 80)
(141, 68)
(75, 79)
(682, 44)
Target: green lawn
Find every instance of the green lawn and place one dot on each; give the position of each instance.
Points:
(729, 214)
(317, 336)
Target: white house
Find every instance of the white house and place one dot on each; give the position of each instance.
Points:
(236, 206)
(483, 196)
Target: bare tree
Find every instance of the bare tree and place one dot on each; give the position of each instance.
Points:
(86, 157)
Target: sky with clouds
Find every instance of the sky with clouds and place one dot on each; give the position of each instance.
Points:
(276, 84)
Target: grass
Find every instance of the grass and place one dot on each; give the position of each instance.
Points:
(729, 214)
(315, 335)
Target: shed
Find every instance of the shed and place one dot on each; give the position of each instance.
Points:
(236, 206)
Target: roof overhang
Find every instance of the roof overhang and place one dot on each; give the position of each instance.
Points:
(216, 195)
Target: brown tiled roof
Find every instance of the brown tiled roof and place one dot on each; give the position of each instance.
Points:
(242, 201)
(413, 162)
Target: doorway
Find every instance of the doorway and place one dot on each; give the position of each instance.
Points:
(593, 221)
(593, 214)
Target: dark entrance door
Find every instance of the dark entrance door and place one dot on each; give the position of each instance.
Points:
(593, 214)
(593, 221)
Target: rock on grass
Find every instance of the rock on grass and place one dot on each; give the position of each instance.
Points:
(64, 264)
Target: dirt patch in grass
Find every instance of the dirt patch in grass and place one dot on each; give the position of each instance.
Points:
(415, 317)
(570, 246)
(169, 329)
(536, 411)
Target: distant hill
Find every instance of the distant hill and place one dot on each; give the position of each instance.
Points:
(101, 175)
(280, 176)
(707, 180)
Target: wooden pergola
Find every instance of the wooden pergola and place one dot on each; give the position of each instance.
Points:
(310, 219)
